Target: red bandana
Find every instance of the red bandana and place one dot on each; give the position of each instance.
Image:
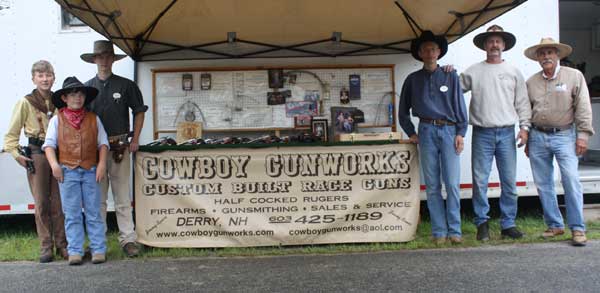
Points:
(74, 117)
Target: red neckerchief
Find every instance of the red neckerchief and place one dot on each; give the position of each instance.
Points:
(74, 117)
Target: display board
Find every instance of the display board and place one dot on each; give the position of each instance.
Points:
(278, 195)
(240, 98)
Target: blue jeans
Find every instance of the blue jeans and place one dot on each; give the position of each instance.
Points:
(80, 189)
(543, 148)
(498, 143)
(439, 161)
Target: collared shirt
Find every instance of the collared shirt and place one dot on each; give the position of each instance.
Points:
(556, 70)
(24, 116)
(561, 101)
(52, 135)
(498, 95)
(115, 97)
(432, 95)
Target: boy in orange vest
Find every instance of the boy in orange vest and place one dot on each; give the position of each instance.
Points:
(82, 146)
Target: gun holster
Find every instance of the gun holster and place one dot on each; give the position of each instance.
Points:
(118, 151)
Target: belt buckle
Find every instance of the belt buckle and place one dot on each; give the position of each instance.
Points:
(435, 122)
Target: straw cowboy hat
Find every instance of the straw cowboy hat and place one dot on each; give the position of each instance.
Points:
(495, 30)
(101, 47)
(563, 49)
(428, 36)
(69, 84)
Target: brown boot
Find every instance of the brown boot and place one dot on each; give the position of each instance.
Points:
(46, 255)
(455, 239)
(75, 260)
(131, 250)
(63, 252)
(438, 240)
(552, 232)
(578, 238)
(98, 258)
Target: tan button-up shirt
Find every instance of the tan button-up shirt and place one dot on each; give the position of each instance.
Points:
(561, 100)
(24, 116)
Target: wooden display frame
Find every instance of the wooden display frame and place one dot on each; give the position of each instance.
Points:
(276, 130)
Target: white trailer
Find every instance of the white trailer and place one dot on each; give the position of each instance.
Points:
(33, 32)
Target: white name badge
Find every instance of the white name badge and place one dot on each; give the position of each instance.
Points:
(117, 95)
(443, 89)
(561, 87)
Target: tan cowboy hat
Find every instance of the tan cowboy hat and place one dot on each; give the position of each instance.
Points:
(495, 30)
(101, 47)
(563, 49)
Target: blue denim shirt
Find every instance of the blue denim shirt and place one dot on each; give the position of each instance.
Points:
(432, 95)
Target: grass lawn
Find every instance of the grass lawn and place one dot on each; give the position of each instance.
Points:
(18, 240)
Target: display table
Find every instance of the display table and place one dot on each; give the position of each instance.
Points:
(278, 194)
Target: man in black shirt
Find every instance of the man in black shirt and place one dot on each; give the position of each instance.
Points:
(116, 96)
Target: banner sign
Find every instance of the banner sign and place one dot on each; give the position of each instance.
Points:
(277, 195)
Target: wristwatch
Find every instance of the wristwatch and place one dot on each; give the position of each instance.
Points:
(525, 127)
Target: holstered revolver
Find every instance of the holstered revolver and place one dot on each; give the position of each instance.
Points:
(26, 152)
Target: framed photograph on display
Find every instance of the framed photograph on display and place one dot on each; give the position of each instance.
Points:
(342, 120)
(319, 128)
(302, 121)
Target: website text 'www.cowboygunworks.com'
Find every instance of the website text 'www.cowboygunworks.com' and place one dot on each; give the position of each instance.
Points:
(215, 233)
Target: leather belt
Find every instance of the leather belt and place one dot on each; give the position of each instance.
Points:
(552, 129)
(36, 141)
(436, 121)
(117, 139)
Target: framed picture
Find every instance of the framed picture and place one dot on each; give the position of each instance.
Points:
(205, 81)
(342, 120)
(275, 77)
(275, 98)
(187, 82)
(319, 128)
(302, 121)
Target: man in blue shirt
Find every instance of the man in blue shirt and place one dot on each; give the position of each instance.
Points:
(436, 98)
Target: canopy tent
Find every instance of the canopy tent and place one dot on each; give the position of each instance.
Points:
(150, 30)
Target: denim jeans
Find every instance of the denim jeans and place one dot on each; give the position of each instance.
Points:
(543, 148)
(80, 189)
(498, 143)
(439, 161)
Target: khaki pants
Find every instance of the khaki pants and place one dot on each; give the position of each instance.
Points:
(118, 177)
(49, 219)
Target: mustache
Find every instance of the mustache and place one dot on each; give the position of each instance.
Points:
(547, 61)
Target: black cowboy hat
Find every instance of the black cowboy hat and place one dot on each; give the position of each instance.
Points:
(495, 30)
(428, 36)
(69, 85)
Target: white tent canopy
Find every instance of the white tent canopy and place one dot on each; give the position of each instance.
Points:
(213, 29)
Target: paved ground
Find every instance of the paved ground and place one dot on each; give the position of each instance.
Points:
(546, 267)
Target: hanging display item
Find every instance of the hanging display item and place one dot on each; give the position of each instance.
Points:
(275, 78)
(187, 82)
(205, 81)
(354, 80)
(344, 96)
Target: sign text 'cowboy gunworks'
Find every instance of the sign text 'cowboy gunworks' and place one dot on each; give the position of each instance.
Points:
(277, 195)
